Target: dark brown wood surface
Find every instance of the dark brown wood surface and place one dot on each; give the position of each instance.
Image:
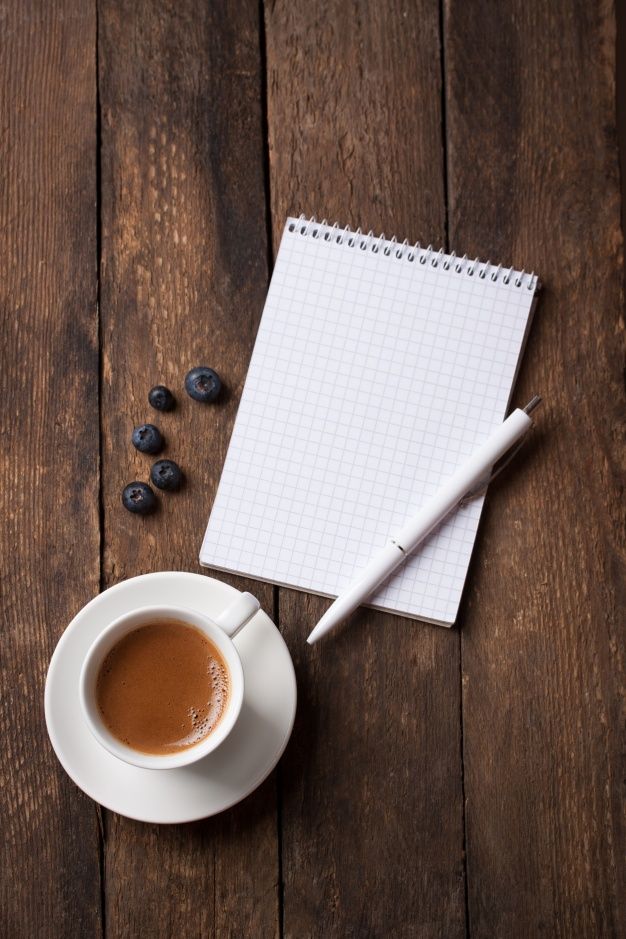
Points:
(533, 179)
(438, 783)
(183, 279)
(49, 856)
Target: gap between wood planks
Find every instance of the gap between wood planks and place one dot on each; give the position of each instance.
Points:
(446, 223)
(100, 811)
(269, 228)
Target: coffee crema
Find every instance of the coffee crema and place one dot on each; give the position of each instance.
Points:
(163, 688)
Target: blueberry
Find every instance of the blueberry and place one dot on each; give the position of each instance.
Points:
(147, 438)
(202, 383)
(139, 498)
(165, 474)
(161, 398)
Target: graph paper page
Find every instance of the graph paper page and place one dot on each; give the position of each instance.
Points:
(372, 378)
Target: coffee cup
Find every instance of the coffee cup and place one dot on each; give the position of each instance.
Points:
(219, 632)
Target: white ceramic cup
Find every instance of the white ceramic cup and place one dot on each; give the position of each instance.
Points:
(220, 631)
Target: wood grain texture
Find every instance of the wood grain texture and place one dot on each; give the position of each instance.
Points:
(533, 180)
(371, 785)
(184, 274)
(49, 532)
(369, 818)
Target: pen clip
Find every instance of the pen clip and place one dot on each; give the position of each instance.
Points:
(504, 461)
(502, 464)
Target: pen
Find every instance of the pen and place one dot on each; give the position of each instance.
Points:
(466, 478)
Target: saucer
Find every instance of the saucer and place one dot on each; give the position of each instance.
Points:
(221, 779)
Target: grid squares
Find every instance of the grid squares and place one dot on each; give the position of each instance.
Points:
(372, 378)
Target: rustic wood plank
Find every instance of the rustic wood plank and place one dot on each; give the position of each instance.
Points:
(49, 533)
(371, 784)
(184, 275)
(533, 180)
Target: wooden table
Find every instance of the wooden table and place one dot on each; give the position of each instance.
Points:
(438, 782)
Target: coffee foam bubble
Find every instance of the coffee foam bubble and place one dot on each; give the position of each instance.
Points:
(204, 719)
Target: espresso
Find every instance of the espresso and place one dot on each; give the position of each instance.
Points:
(163, 688)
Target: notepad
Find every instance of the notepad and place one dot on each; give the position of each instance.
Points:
(378, 368)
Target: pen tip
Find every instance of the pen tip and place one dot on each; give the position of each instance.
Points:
(534, 402)
(315, 634)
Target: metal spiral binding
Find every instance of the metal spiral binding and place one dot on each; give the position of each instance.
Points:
(429, 256)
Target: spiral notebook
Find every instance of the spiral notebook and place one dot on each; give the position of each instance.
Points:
(378, 368)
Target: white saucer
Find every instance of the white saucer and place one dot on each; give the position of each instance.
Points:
(221, 779)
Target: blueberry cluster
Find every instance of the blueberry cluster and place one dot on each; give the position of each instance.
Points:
(202, 384)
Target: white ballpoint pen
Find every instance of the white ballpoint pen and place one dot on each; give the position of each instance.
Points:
(466, 478)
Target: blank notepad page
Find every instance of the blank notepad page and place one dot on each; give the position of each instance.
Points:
(377, 370)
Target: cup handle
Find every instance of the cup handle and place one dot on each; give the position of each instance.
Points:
(237, 614)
